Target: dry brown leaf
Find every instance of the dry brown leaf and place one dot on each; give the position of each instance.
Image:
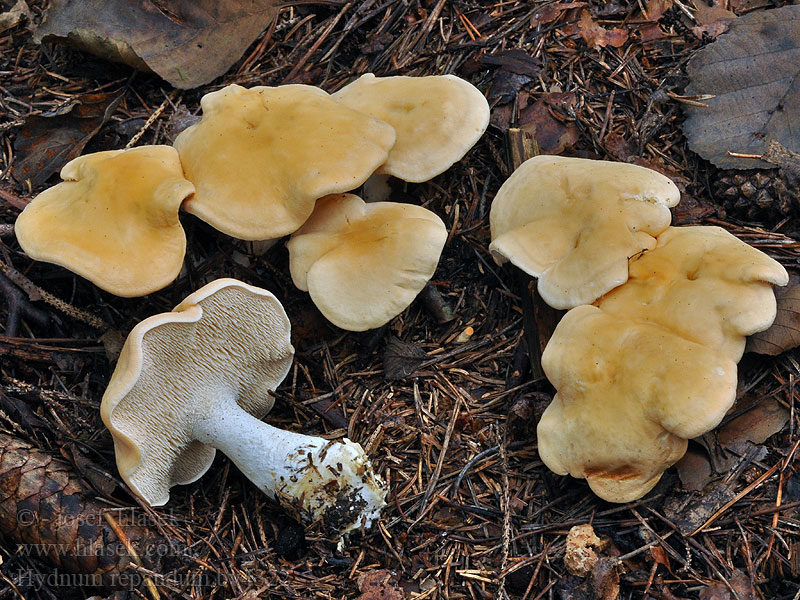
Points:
(694, 470)
(756, 425)
(15, 15)
(651, 32)
(712, 19)
(741, 7)
(784, 333)
(752, 73)
(551, 135)
(186, 42)
(514, 61)
(549, 13)
(605, 579)
(46, 143)
(379, 585)
(656, 9)
(401, 359)
(741, 584)
(598, 36)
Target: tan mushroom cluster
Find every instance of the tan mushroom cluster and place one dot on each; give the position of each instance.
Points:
(254, 167)
(646, 357)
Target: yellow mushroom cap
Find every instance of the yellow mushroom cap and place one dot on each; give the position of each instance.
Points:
(630, 394)
(365, 263)
(113, 220)
(574, 223)
(437, 119)
(703, 284)
(260, 157)
(226, 339)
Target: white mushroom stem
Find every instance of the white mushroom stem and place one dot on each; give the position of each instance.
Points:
(316, 478)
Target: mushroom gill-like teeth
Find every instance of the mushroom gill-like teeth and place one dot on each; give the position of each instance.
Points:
(260, 157)
(113, 220)
(200, 378)
(574, 223)
(437, 119)
(362, 263)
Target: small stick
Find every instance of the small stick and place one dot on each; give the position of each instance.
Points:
(36, 293)
(132, 551)
(19, 308)
(436, 304)
(150, 120)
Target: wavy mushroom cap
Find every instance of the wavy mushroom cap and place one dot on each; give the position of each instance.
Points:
(260, 157)
(574, 223)
(705, 285)
(113, 220)
(227, 339)
(630, 394)
(364, 263)
(437, 119)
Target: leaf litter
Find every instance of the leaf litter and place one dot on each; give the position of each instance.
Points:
(750, 78)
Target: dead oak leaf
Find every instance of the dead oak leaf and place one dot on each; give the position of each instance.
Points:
(751, 72)
(186, 42)
(598, 36)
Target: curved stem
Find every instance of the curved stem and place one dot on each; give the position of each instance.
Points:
(314, 477)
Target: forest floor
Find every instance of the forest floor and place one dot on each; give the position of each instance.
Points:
(444, 404)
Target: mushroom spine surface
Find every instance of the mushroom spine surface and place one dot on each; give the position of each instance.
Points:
(200, 378)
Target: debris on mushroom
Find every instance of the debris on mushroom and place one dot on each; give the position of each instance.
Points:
(364, 263)
(437, 119)
(113, 220)
(260, 157)
(200, 378)
(574, 223)
(704, 284)
(653, 364)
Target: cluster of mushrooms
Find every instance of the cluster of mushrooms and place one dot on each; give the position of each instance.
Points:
(646, 356)
(261, 163)
(644, 359)
(264, 163)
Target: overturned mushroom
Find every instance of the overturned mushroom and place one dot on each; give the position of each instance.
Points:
(113, 220)
(260, 157)
(437, 119)
(574, 223)
(364, 263)
(200, 378)
(654, 363)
